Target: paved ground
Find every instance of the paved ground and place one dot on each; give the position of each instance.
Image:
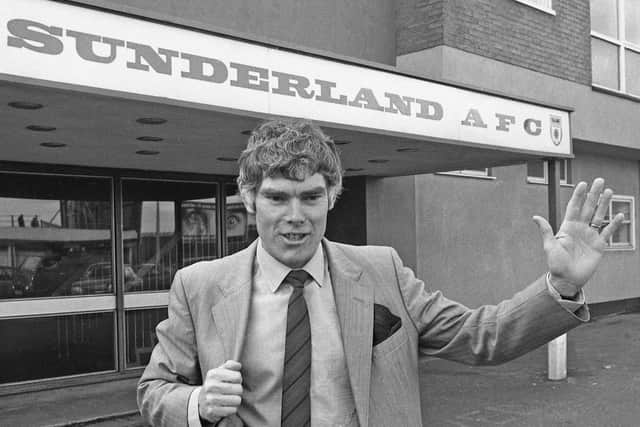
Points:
(603, 390)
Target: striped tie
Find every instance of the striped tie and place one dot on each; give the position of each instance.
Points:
(296, 379)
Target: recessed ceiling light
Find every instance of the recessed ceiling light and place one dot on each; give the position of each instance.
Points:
(150, 138)
(23, 105)
(341, 141)
(53, 144)
(227, 159)
(151, 120)
(147, 152)
(378, 160)
(354, 169)
(39, 128)
(246, 132)
(407, 150)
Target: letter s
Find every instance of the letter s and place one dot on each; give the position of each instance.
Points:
(26, 36)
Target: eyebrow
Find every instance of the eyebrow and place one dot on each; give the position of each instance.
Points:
(311, 191)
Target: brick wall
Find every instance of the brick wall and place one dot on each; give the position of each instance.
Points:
(504, 30)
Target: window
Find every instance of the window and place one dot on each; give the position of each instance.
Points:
(624, 237)
(538, 173)
(615, 45)
(478, 173)
(543, 5)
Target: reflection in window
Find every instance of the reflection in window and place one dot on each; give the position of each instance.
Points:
(141, 334)
(166, 225)
(240, 226)
(53, 229)
(45, 347)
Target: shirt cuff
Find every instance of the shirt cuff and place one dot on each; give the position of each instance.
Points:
(571, 305)
(193, 415)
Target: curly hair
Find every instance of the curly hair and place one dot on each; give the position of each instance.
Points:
(292, 149)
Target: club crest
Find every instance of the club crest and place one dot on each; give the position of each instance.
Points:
(556, 129)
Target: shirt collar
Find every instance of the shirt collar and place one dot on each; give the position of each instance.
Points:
(274, 272)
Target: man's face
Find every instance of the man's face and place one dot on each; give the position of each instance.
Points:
(291, 217)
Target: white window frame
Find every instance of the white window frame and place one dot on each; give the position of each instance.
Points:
(542, 5)
(470, 173)
(545, 179)
(622, 46)
(611, 246)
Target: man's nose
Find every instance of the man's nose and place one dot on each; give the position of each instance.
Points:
(294, 211)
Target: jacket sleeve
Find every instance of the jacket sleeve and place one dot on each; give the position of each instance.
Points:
(173, 372)
(490, 334)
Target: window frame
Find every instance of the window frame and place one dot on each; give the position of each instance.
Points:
(545, 180)
(611, 246)
(622, 45)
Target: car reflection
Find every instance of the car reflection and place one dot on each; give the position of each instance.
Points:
(14, 283)
(97, 279)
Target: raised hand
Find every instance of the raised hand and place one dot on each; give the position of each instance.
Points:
(575, 251)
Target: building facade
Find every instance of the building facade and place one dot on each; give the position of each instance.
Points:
(105, 193)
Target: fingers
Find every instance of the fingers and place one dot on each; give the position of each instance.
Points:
(612, 226)
(603, 207)
(591, 200)
(545, 229)
(574, 207)
(221, 393)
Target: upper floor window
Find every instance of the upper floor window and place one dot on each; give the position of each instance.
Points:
(543, 5)
(538, 173)
(615, 45)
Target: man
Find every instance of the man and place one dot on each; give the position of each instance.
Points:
(298, 330)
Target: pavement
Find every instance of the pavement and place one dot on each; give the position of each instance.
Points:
(602, 389)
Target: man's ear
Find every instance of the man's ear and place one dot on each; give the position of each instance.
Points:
(333, 195)
(249, 200)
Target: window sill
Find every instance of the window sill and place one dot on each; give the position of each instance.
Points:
(620, 249)
(462, 175)
(537, 6)
(615, 92)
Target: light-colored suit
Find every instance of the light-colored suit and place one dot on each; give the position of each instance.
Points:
(208, 315)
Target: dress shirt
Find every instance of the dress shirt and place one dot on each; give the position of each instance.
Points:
(262, 357)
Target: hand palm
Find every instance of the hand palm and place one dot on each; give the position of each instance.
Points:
(575, 252)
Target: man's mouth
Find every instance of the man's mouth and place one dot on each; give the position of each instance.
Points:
(294, 237)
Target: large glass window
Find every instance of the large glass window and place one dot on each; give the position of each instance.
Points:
(240, 226)
(166, 225)
(615, 45)
(55, 234)
(45, 347)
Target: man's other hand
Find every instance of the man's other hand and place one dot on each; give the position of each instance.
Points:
(221, 392)
(574, 252)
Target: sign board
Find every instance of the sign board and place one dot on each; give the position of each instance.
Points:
(78, 46)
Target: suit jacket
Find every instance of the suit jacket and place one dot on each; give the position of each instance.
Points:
(209, 309)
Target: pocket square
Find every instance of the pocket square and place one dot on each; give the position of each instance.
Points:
(385, 323)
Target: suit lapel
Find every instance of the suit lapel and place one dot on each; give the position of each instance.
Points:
(231, 311)
(354, 304)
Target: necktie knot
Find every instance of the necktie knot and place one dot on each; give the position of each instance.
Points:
(297, 278)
